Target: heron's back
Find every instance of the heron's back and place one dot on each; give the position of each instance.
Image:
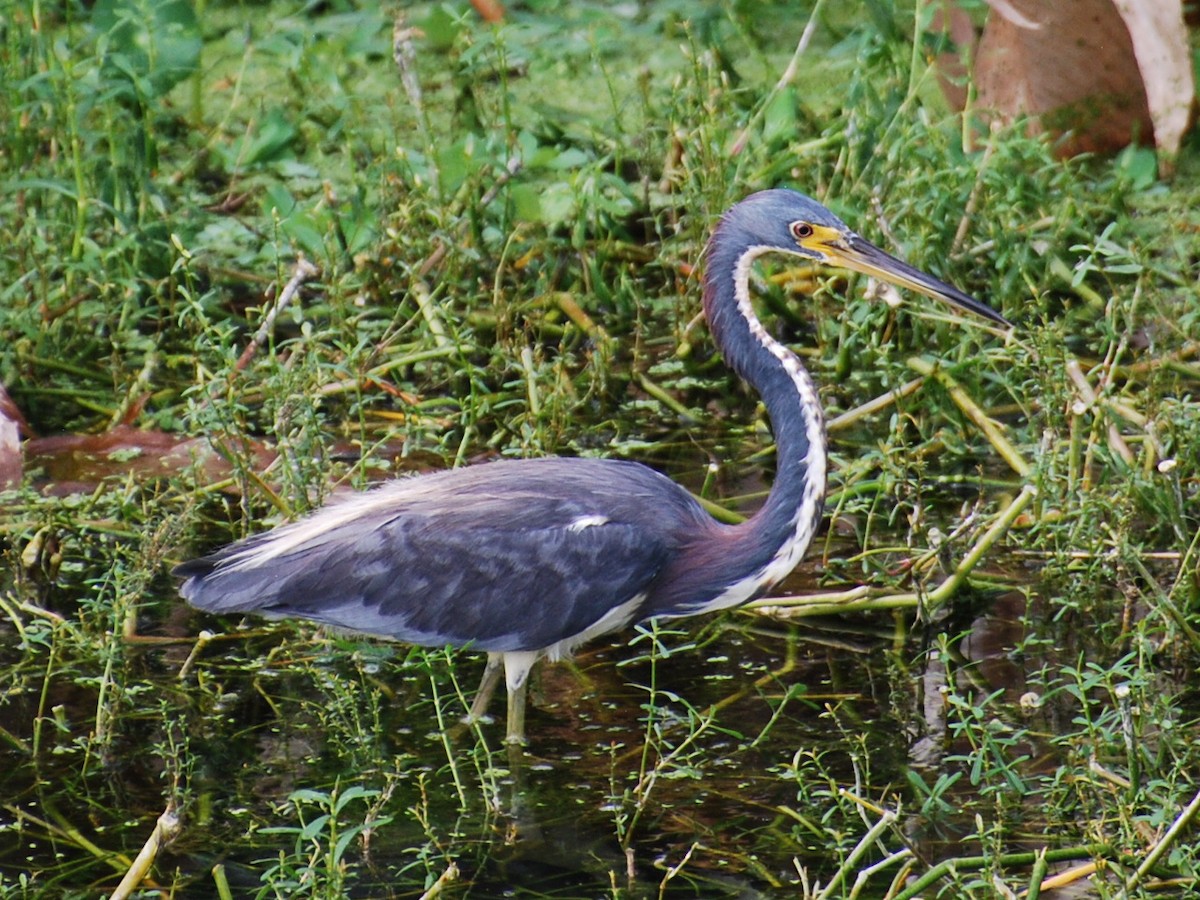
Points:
(512, 555)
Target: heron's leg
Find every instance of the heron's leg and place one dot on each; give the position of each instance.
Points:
(487, 687)
(516, 714)
(516, 678)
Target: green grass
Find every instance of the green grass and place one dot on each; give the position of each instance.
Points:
(922, 735)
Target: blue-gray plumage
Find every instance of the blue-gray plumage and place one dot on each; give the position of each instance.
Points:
(528, 558)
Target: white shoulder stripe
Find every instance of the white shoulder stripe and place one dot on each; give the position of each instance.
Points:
(587, 522)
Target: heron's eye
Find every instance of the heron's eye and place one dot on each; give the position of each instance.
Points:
(801, 230)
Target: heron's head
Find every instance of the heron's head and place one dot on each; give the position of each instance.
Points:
(790, 222)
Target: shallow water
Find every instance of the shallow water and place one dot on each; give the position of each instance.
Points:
(737, 800)
(722, 756)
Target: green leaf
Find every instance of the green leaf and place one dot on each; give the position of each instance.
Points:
(780, 119)
(571, 158)
(271, 140)
(557, 204)
(153, 44)
(354, 792)
(315, 827)
(527, 202)
(307, 795)
(441, 27)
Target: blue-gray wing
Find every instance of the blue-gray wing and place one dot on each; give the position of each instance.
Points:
(505, 556)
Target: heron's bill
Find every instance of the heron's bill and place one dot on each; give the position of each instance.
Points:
(849, 251)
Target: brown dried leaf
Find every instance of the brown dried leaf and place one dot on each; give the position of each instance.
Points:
(1075, 74)
(489, 10)
(1160, 44)
(76, 462)
(12, 426)
(1100, 73)
(10, 454)
(9, 410)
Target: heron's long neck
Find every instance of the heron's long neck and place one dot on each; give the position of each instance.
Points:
(773, 541)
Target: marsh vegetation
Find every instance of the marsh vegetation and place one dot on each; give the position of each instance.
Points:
(488, 239)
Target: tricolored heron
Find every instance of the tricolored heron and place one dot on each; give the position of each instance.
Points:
(529, 558)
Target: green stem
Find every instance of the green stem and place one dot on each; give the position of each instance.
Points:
(1007, 860)
(1177, 827)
